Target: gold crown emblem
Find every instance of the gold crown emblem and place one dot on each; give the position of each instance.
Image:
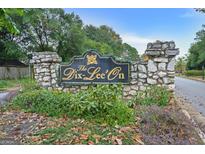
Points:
(91, 59)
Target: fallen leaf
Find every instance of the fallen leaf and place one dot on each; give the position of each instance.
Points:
(138, 139)
(90, 142)
(97, 138)
(2, 134)
(84, 136)
(119, 141)
(125, 129)
(35, 139)
(45, 136)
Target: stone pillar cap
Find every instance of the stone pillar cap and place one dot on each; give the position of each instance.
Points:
(45, 57)
(158, 48)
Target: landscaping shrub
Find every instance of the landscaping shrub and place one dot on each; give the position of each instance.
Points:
(152, 95)
(194, 73)
(102, 103)
(28, 84)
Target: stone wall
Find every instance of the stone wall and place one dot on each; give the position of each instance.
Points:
(157, 68)
(45, 66)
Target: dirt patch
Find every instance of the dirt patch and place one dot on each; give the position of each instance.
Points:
(16, 124)
(167, 126)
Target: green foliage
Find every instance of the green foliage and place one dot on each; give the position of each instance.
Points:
(107, 41)
(103, 48)
(180, 65)
(10, 33)
(130, 53)
(194, 73)
(196, 57)
(152, 95)
(25, 83)
(4, 84)
(6, 21)
(54, 30)
(101, 103)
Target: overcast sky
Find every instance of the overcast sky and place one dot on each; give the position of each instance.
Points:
(140, 26)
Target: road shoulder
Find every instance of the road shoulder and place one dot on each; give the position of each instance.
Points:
(197, 119)
(192, 78)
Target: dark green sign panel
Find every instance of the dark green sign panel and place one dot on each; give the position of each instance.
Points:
(92, 68)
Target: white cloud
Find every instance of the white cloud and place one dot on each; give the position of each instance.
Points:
(140, 43)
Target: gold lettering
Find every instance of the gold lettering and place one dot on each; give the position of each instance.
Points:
(82, 68)
(92, 73)
(121, 76)
(114, 73)
(69, 73)
(102, 76)
(98, 76)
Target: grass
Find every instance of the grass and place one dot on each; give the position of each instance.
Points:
(11, 83)
(5, 84)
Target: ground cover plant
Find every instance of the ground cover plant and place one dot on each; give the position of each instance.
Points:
(152, 95)
(102, 103)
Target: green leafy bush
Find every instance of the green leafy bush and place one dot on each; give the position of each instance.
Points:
(194, 73)
(152, 95)
(102, 103)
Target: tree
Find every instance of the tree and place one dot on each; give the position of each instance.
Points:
(196, 58)
(181, 63)
(54, 30)
(6, 21)
(129, 52)
(10, 28)
(107, 41)
(70, 37)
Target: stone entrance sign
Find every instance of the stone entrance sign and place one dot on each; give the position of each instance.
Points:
(155, 68)
(92, 68)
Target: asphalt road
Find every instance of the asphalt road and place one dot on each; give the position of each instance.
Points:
(192, 91)
(3, 96)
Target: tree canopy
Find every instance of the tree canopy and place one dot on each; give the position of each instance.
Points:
(196, 58)
(38, 30)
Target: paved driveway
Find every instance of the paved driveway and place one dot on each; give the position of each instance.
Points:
(192, 91)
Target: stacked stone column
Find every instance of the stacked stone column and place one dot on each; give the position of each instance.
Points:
(157, 68)
(45, 66)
